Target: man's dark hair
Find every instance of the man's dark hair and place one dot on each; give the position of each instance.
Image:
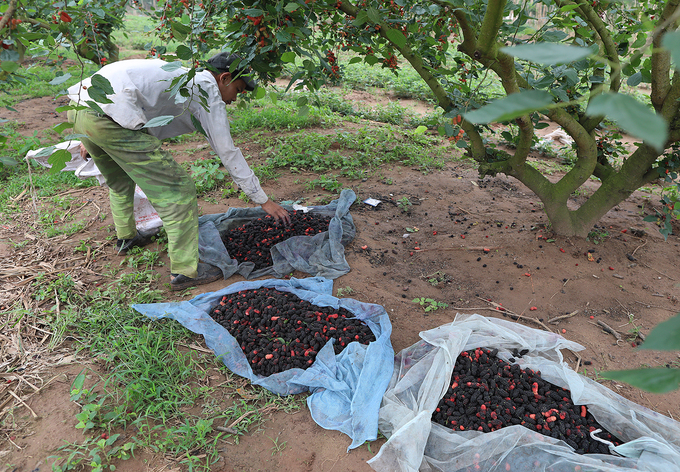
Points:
(226, 62)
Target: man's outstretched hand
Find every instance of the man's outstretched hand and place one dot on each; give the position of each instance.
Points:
(277, 211)
(83, 151)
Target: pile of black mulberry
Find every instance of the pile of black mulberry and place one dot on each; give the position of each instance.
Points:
(487, 393)
(252, 241)
(279, 331)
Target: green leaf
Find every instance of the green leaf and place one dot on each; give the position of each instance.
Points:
(97, 11)
(510, 107)
(665, 336)
(671, 41)
(95, 106)
(285, 36)
(45, 151)
(7, 161)
(657, 380)
(70, 107)
(553, 36)
(288, 56)
(183, 52)
(571, 76)
(197, 124)
(260, 93)
(374, 15)
(291, 7)
(102, 83)
(567, 8)
(60, 79)
(173, 66)
(99, 89)
(9, 66)
(58, 160)
(62, 126)
(159, 121)
(420, 130)
(302, 101)
(179, 30)
(632, 116)
(255, 12)
(547, 53)
(371, 60)
(640, 40)
(634, 79)
(362, 17)
(397, 37)
(98, 96)
(303, 111)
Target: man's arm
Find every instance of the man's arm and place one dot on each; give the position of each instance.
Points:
(216, 125)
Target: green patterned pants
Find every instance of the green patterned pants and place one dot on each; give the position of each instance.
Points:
(127, 157)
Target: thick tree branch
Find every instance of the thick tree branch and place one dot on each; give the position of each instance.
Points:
(477, 146)
(415, 60)
(610, 49)
(469, 36)
(603, 172)
(671, 105)
(607, 48)
(36, 22)
(661, 58)
(468, 46)
(11, 8)
(493, 19)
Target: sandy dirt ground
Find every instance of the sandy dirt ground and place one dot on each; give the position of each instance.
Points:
(631, 284)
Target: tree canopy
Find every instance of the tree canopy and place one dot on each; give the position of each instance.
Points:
(578, 64)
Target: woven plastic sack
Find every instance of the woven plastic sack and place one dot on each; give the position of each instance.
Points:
(346, 388)
(321, 255)
(421, 377)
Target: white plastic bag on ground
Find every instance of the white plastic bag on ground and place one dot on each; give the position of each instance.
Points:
(422, 374)
(82, 167)
(146, 217)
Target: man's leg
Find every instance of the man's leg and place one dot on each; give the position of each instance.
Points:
(121, 186)
(139, 158)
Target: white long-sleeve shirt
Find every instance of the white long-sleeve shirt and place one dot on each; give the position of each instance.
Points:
(140, 95)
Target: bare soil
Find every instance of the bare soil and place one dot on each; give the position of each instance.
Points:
(436, 250)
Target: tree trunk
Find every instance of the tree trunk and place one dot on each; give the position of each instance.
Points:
(614, 189)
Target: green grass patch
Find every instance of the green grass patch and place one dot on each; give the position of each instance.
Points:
(405, 84)
(352, 152)
(34, 82)
(45, 184)
(283, 115)
(151, 379)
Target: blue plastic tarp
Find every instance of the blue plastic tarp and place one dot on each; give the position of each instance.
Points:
(321, 255)
(346, 389)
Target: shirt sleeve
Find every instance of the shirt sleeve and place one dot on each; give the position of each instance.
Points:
(216, 126)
